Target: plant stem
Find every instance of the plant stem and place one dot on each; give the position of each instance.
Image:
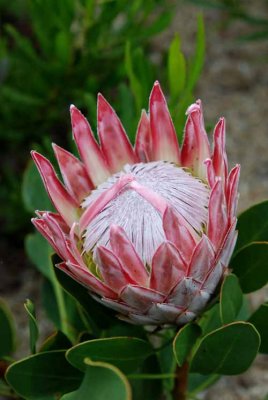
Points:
(181, 381)
(61, 307)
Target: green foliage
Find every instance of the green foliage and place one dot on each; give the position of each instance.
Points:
(184, 342)
(231, 299)
(251, 266)
(253, 225)
(259, 319)
(43, 374)
(33, 327)
(116, 386)
(56, 53)
(228, 350)
(126, 353)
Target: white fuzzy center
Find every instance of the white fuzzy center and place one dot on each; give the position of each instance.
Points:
(138, 216)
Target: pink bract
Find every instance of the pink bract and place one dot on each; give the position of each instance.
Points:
(149, 230)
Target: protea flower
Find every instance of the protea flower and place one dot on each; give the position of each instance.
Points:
(148, 230)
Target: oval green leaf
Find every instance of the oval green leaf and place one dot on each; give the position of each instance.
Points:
(102, 381)
(43, 374)
(259, 320)
(184, 342)
(252, 225)
(250, 264)
(231, 299)
(229, 350)
(126, 353)
(7, 331)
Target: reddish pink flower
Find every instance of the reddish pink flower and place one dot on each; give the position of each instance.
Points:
(148, 230)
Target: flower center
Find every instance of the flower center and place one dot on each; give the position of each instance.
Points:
(136, 198)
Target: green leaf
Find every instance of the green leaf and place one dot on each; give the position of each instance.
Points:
(33, 327)
(176, 69)
(231, 299)
(74, 320)
(197, 61)
(56, 341)
(7, 331)
(43, 374)
(33, 192)
(102, 381)
(250, 264)
(259, 320)
(229, 350)
(198, 383)
(252, 225)
(184, 342)
(126, 353)
(39, 252)
(210, 320)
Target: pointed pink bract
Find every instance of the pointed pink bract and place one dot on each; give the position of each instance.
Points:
(92, 156)
(114, 141)
(164, 139)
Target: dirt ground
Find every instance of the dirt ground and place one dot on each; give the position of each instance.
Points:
(234, 85)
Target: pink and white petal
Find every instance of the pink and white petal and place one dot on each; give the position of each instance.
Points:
(212, 280)
(124, 250)
(228, 245)
(232, 191)
(211, 178)
(73, 173)
(111, 269)
(169, 312)
(219, 159)
(199, 301)
(195, 149)
(218, 219)
(138, 319)
(88, 280)
(99, 204)
(59, 238)
(140, 298)
(116, 305)
(64, 203)
(89, 150)
(43, 228)
(177, 231)
(168, 268)
(185, 317)
(115, 144)
(164, 139)
(143, 143)
(183, 293)
(202, 260)
(72, 245)
(57, 217)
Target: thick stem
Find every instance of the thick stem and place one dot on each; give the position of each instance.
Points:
(181, 381)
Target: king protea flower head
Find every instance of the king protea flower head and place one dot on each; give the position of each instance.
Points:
(149, 230)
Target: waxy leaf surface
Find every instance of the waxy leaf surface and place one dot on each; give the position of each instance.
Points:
(231, 299)
(126, 353)
(102, 381)
(250, 264)
(229, 350)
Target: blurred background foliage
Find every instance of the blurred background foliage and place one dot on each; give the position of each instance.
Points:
(57, 52)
